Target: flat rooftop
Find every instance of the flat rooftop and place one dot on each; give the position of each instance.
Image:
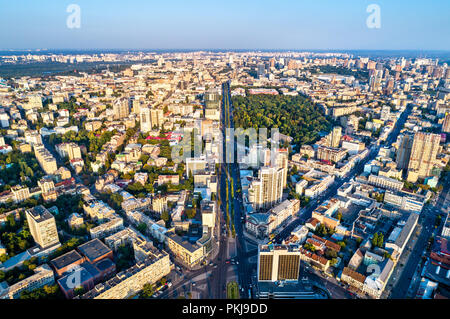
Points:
(66, 259)
(39, 213)
(94, 249)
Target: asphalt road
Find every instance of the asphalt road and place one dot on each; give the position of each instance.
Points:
(245, 270)
(402, 276)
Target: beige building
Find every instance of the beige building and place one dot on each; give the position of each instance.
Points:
(188, 253)
(446, 123)
(121, 108)
(145, 119)
(43, 275)
(330, 154)
(423, 155)
(125, 284)
(42, 226)
(20, 193)
(75, 220)
(70, 150)
(195, 165)
(45, 159)
(282, 158)
(335, 137)
(385, 182)
(47, 189)
(208, 210)
(157, 117)
(159, 204)
(267, 190)
(46, 184)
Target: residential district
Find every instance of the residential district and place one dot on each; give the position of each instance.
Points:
(123, 181)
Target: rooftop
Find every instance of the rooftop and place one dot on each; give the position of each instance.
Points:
(66, 259)
(94, 249)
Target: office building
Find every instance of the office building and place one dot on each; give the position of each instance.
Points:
(385, 182)
(190, 254)
(261, 70)
(282, 158)
(330, 154)
(278, 263)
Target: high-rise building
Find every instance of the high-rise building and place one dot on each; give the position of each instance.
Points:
(404, 151)
(261, 70)
(157, 117)
(136, 104)
(267, 190)
(335, 136)
(278, 263)
(375, 79)
(146, 121)
(121, 108)
(282, 158)
(446, 124)
(42, 226)
(423, 155)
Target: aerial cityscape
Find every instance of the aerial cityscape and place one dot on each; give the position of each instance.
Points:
(224, 173)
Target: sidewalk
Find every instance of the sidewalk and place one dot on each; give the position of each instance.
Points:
(253, 239)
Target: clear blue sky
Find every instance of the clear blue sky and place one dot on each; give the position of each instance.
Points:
(226, 24)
